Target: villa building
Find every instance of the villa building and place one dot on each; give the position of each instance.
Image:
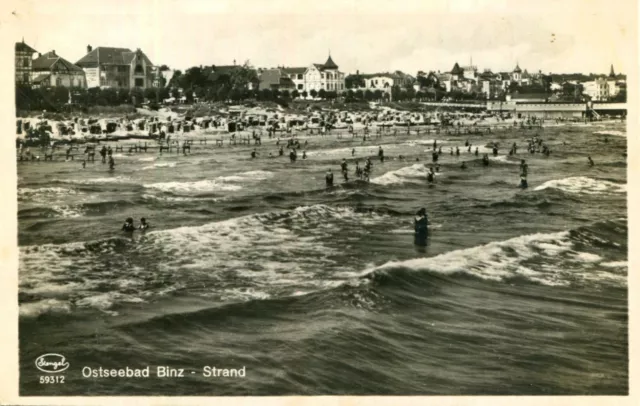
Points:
(51, 70)
(24, 62)
(118, 68)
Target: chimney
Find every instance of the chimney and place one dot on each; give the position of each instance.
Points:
(234, 62)
(53, 52)
(39, 54)
(89, 48)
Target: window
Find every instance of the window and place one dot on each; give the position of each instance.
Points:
(300, 87)
(25, 77)
(139, 69)
(299, 75)
(58, 81)
(139, 82)
(25, 62)
(323, 76)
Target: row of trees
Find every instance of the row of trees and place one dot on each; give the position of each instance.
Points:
(54, 98)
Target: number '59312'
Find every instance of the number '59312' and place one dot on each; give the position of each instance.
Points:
(51, 379)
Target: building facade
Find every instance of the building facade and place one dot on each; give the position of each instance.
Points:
(316, 77)
(24, 62)
(51, 70)
(118, 68)
(598, 90)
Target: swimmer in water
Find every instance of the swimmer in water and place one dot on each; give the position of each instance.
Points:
(128, 225)
(112, 163)
(143, 224)
(430, 175)
(464, 165)
(84, 164)
(590, 161)
(353, 152)
(476, 151)
(254, 153)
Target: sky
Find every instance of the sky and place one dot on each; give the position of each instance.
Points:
(369, 36)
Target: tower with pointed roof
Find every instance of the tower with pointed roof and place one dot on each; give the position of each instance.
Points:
(612, 74)
(516, 75)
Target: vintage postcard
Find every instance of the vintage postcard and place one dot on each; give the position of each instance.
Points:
(296, 198)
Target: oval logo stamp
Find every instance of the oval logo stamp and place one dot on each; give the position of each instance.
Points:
(52, 363)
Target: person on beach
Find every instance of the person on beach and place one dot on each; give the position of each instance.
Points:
(476, 151)
(328, 178)
(304, 154)
(381, 154)
(128, 226)
(485, 160)
(358, 170)
(112, 163)
(109, 151)
(143, 224)
(103, 154)
(353, 152)
(84, 164)
(281, 151)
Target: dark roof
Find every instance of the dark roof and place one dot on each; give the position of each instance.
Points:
(517, 69)
(330, 64)
(319, 66)
(111, 56)
(295, 71)
(456, 70)
(22, 47)
(286, 82)
(505, 76)
(50, 60)
(41, 78)
(270, 77)
(215, 72)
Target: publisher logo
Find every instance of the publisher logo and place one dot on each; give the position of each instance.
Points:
(52, 363)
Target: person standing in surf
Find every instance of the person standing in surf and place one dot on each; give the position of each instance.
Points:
(421, 228)
(328, 178)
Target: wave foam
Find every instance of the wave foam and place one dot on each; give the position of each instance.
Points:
(415, 173)
(549, 259)
(611, 132)
(583, 184)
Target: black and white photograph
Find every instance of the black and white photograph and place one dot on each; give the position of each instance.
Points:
(244, 198)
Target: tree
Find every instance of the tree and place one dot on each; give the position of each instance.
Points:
(354, 81)
(295, 94)
(150, 94)
(266, 95)
(285, 94)
(368, 95)
(359, 94)
(377, 94)
(304, 94)
(163, 93)
(313, 93)
(136, 96)
(322, 93)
